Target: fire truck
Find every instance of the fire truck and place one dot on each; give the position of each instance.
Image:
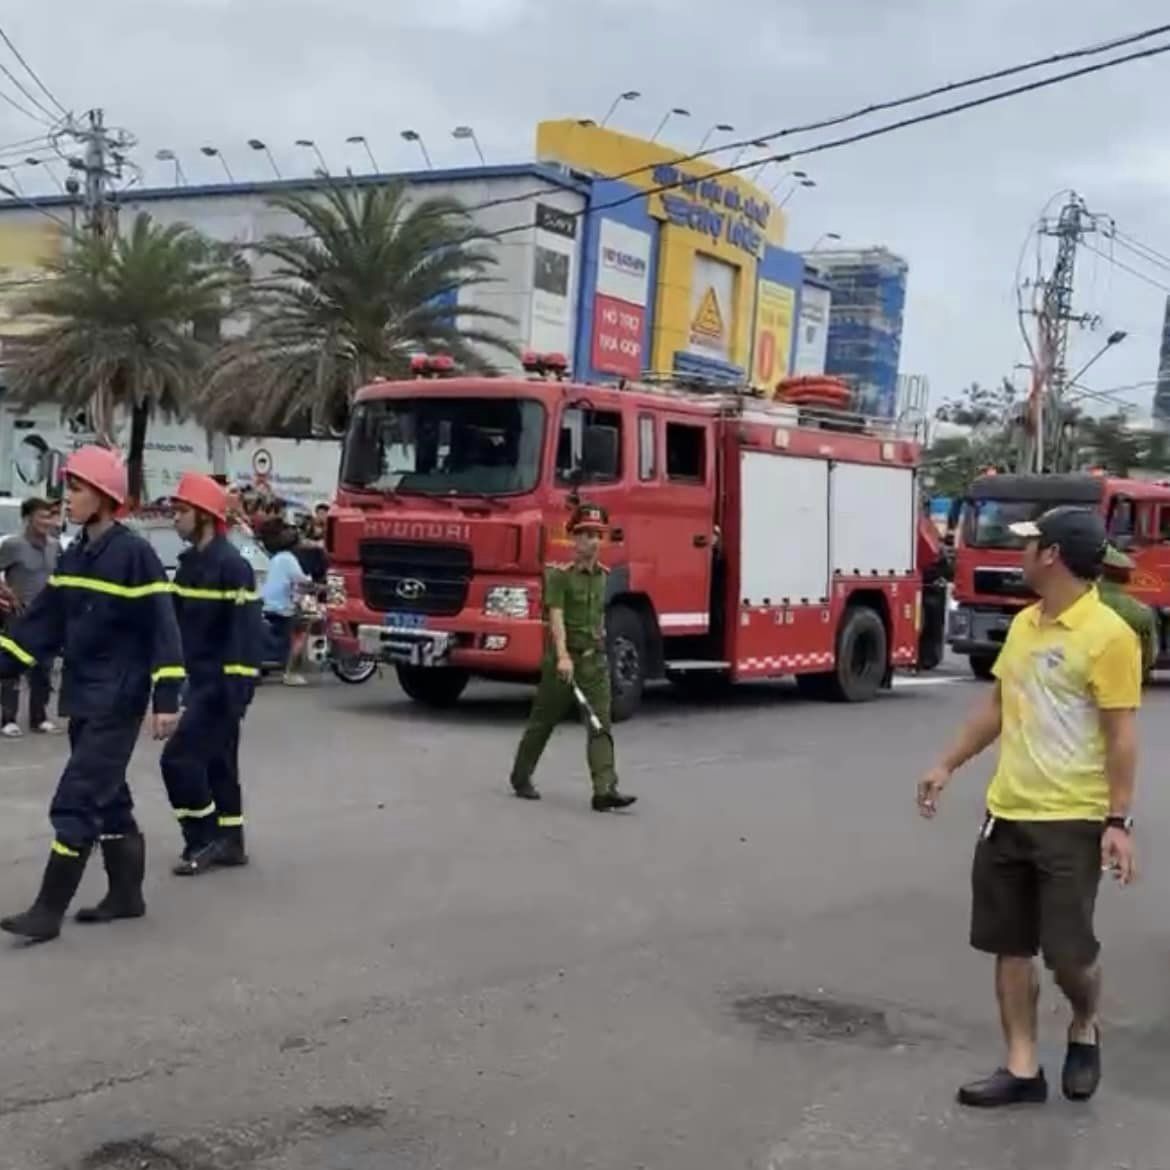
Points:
(750, 538)
(989, 587)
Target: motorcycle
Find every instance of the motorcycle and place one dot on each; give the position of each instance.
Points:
(311, 623)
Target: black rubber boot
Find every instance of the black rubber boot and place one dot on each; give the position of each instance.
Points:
(198, 859)
(42, 921)
(125, 862)
(232, 852)
(525, 790)
(612, 801)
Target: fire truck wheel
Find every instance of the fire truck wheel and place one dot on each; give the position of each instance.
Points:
(433, 686)
(626, 647)
(981, 666)
(862, 656)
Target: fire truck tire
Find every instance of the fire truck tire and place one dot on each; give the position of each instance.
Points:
(862, 657)
(625, 637)
(981, 666)
(433, 686)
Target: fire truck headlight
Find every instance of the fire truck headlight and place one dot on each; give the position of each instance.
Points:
(334, 589)
(960, 623)
(507, 601)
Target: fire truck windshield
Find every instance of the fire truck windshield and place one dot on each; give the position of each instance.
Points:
(445, 446)
(986, 523)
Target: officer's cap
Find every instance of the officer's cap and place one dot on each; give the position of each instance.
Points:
(589, 518)
(1116, 559)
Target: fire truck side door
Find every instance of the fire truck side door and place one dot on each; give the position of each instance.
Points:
(684, 524)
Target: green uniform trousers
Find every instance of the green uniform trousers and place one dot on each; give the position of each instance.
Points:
(554, 700)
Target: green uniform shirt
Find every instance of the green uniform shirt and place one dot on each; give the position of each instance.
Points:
(580, 595)
(1139, 618)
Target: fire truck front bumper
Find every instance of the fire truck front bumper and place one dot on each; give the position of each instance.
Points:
(973, 630)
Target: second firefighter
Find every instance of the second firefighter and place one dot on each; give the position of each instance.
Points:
(219, 616)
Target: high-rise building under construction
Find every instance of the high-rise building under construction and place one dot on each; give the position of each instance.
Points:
(865, 322)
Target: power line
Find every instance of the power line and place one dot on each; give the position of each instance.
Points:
(32, 97)
(853, 115)
(32, 73)
(35, 206)
(1126, 268)
(1150, 255)
(20, 109)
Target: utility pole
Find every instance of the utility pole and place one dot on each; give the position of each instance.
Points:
(1046, 449)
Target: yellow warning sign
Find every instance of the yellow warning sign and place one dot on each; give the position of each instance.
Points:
(708, 322)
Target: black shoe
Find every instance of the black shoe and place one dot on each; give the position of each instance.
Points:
(612, 801)
(125, 862)
(231, 853)
(1003, 1088)
(525, 791)
(198, 859)
(1082, 1070)
(42, 921)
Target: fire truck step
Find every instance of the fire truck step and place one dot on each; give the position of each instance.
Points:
(680, 664)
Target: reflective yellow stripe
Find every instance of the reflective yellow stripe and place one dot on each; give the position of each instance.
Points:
(195, 814)
(165, 672)
(231, 822)
(235, 596)
(238, 668)
(64, 850)
(96, 585)
(17, 651)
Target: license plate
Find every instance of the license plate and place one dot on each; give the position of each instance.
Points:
(405, 621)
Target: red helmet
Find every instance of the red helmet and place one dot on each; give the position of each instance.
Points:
(101, 469)
(202, 492)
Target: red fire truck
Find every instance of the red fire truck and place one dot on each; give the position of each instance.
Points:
(989, 587)
(750, 539)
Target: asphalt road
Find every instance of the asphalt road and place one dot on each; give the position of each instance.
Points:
(763, 966)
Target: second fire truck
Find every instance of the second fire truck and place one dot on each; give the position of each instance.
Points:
(750, 539)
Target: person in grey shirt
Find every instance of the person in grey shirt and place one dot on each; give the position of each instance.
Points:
(27, 560)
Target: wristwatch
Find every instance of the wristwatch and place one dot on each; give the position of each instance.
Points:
(1125, 824)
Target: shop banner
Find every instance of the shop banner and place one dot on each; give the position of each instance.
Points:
(775, 305)
(552, 279)
(617, 337)
(623, 263)
(812, 336)
(712, 293)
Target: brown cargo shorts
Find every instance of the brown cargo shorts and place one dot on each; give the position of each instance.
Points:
(1034, 890)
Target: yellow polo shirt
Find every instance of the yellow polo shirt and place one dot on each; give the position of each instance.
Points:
(1056, 676)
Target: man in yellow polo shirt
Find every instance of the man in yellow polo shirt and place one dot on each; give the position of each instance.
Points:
(1064, 708)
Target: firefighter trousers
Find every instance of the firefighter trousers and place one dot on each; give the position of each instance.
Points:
(200, 768)
(93, 799)
(554, 700)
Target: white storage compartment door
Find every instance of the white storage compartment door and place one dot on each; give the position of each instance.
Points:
(784, 553)
(873, 519)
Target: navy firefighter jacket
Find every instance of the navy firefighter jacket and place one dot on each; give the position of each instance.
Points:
(107, 611)
(220, 619)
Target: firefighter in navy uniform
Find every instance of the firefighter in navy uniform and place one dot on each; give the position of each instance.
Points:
(574, 602)
(219, 615)
(107, 610)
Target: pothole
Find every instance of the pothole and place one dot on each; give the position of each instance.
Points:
(804, 1017)
(136, 1154)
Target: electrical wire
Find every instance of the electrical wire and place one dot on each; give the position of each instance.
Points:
(33, 74)
(32, 97)
(1126, 268)
(20, 109)
(34, 205)
(1150, 255)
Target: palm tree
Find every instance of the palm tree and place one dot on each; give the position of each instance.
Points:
(371, 281)
(117, 329)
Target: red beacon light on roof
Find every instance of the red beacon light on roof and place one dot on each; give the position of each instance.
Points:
(424, 365)
(542, 364)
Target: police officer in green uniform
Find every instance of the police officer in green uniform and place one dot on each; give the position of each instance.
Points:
(574, 603)
(1115, 575)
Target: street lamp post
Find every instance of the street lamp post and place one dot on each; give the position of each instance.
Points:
(758, 144)
(214, 152)
(261, 147)
(674, 111)
(40, 162)
(1114, 338)
(167, 155)
(796, 187)
(629, 95)
(822, 238)
(415, 136)
(360, 140)
(309, 144)
(467, 134)
(719, 127)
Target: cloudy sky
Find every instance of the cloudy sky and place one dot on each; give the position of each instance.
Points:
(956, 198)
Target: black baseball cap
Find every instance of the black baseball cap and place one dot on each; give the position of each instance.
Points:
(1079, 533)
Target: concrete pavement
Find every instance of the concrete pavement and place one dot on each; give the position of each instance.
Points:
(763, 966)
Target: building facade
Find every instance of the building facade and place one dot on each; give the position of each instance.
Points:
(865, 323)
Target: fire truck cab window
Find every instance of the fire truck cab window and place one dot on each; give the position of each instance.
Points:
(1121, 521)
(647, 453)
(589, 446)
(444, 446)
(686, 453)
(1164, 524)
